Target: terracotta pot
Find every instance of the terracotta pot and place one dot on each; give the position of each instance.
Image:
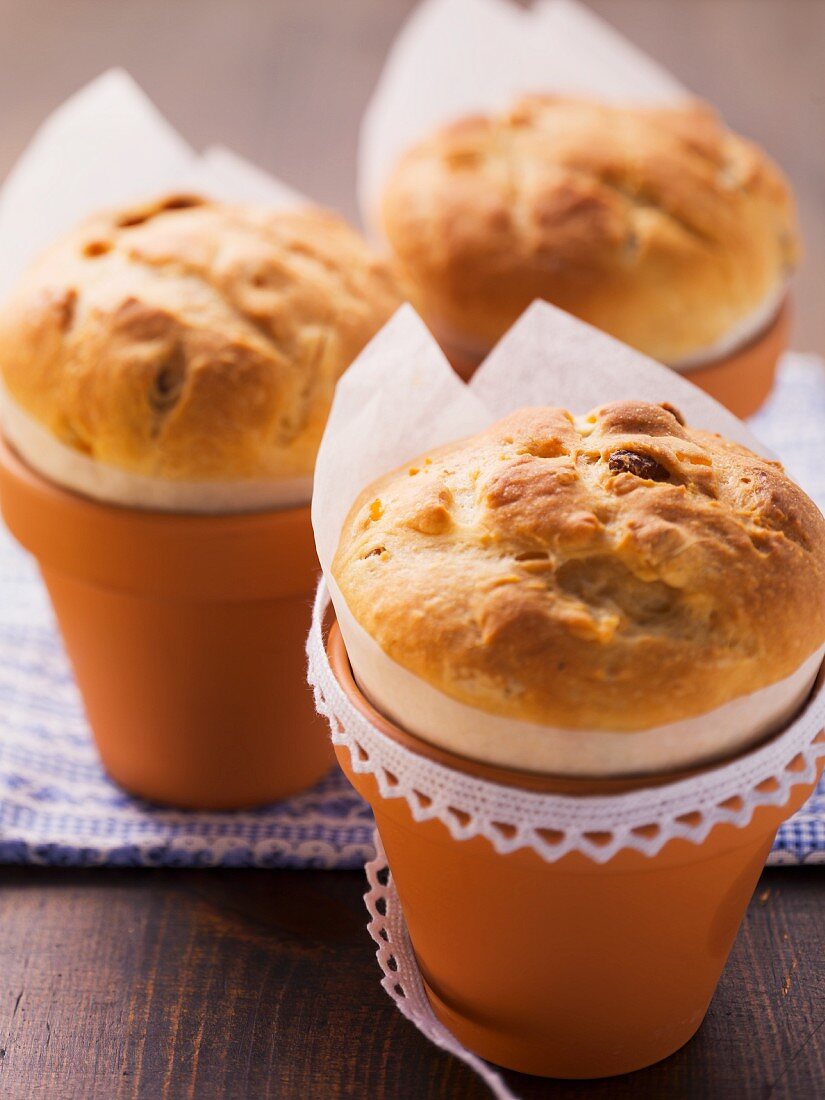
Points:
(186, 634)
(569, 969)
(740, 381)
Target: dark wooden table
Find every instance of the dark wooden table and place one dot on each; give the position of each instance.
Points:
(250, 984)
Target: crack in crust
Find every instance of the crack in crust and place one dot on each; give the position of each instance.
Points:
(521, 572)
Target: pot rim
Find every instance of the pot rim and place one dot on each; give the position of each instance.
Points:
(504, 776)
(23, 471)
(236, 555)
(776, 329)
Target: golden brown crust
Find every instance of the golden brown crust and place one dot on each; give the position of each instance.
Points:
(615, 572)
(659, 226)
(193, 340)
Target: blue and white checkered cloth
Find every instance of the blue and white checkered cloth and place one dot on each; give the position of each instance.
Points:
(58, 807)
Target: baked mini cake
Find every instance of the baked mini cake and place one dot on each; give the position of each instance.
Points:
(577, 584)
(183, 353)
(658, 225)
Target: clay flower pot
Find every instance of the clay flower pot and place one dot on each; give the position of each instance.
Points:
(571, 968)
(740, 381)
(186, 635)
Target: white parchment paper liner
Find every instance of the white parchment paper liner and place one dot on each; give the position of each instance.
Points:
(106, 146)
(399, 399)
(457, 58)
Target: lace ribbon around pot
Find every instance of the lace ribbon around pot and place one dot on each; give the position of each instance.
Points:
(552, 825)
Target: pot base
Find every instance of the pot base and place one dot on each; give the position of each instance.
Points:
(518, 1053)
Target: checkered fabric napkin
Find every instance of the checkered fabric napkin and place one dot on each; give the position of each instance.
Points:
(792, 424)
(57, 806)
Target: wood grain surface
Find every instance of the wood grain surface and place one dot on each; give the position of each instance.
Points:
(253, 984)
(201, 984)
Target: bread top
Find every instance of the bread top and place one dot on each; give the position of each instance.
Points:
(657, 225)
(193, 340)
(614, 572)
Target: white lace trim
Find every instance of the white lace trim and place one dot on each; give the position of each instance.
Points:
(598, 826)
